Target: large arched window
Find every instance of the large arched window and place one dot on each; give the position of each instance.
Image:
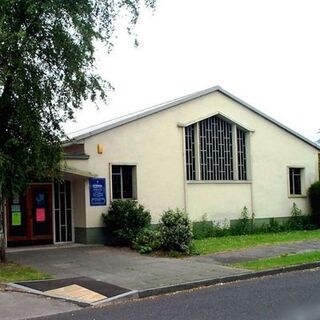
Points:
(215, 150)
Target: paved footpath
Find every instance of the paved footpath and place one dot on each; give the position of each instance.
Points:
(128, 269)
(121, 266)
(17, 305)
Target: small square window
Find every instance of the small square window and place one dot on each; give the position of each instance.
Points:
(295, 181)
(123, 178)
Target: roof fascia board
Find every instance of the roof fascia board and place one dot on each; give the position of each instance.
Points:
(148, 112)
(270, 119)
(188, 98)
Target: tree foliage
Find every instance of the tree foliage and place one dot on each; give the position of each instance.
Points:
(46, 71)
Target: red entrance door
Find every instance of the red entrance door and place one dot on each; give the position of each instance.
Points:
(29, 217)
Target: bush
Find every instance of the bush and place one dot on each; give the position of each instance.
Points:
(147, 241)
(245, 225)
(314, 197)
(274, 226)
(124, 220)
(175, 231)
(203, 228)
(299, 221)
(220, 229)
(295, 222)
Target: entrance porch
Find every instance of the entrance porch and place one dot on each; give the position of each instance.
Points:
(48, 213)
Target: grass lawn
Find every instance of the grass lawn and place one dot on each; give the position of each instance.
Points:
(229, 243)
(278, 262)
(11, 271)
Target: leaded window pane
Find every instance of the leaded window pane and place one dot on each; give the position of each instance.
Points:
(216, 159)
(190, 152)
(242, 160)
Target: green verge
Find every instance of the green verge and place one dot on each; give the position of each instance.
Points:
(281, 261)
(11, 271)
(229, 243)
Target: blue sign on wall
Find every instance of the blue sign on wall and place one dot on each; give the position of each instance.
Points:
(97, 191)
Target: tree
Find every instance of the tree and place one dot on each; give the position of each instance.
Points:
(46, 71)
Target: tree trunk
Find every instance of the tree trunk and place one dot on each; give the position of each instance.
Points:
(2, 232)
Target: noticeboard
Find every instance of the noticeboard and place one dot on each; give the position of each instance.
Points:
(97, 191)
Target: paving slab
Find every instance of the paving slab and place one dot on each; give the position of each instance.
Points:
(120, 266)
(128, 269)
(17, 305)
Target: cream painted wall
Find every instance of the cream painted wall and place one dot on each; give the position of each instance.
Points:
(79, 205)
(155, 145)
(218, 201)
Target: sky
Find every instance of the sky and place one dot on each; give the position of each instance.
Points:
(267, 53)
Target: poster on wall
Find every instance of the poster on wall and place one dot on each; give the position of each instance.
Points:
(97, 188)
(40, 214)
(15, 215)
(16, 219)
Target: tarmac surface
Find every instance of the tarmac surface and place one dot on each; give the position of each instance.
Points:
(290, 296)
(127, 269)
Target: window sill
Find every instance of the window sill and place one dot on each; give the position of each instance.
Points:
(219, 182)
(297, 196)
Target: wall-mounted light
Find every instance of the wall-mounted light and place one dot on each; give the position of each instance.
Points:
(100, 148)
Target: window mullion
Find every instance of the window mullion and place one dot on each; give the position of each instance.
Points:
(235, 153)
(121, 183)
(197, 150)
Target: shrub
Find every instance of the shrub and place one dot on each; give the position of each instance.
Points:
(245, 225)
(206, 229)
(299, 221)
(274, 226)
(220, 229)
(124, 220)
(147, 241)
(295, 222)
(203, 228)
(314, 197)
(176, 231)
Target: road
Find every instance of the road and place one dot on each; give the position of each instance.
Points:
(291, 296)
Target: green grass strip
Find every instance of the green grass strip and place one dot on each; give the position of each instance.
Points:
(282, 261)
(229, 243)
(10, 272)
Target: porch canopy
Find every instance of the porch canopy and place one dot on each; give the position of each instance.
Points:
(78, 172)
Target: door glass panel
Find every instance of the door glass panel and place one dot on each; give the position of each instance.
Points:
(63, 234)
(40, 212)
(68, 195)
(63, 214)
(69, 223)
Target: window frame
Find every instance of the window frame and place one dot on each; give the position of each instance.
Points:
(235, 152)
(134, 180)
(302, 182)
